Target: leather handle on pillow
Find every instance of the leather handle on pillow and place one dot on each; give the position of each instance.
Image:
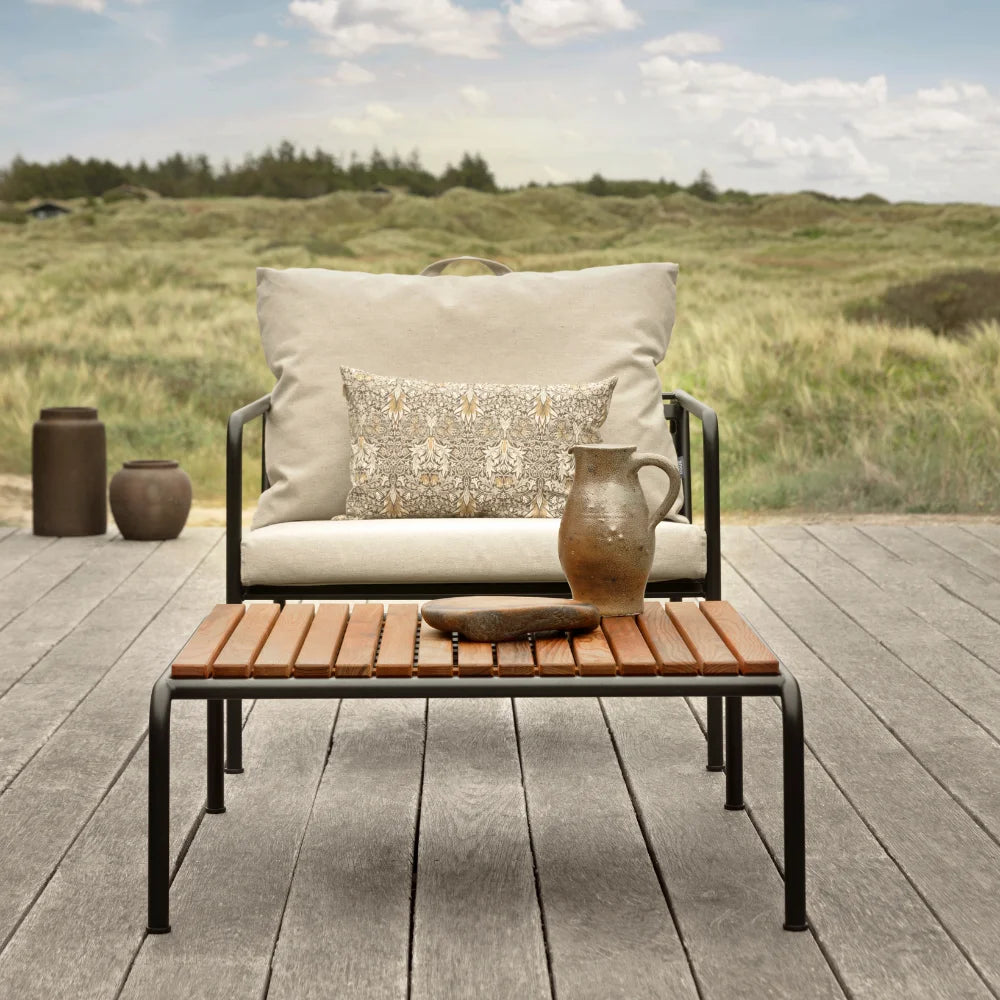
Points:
(432, 270)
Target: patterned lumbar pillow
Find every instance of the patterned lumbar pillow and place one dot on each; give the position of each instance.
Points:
(448, 449)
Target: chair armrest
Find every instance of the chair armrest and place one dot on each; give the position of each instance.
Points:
(234, 491)
(710, 468)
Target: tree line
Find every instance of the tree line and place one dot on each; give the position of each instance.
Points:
(276, 173)
(287, 172)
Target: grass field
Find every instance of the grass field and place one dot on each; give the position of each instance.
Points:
(146, 310)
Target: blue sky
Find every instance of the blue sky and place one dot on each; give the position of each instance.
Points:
(902, 98)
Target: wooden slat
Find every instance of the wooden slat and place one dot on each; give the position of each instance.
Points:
(200, 651)
(434, 657)
(751, 653)
(671, 651)
(357, 651)
(628, 646)
(475, 659)
(593, 654)
(709, 650)
(514, 659)
(399, 634)
(246, 641)
(322, 643)
(554, 655)
(277, 658)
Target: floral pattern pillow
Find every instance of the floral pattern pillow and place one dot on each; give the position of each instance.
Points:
(446, 449)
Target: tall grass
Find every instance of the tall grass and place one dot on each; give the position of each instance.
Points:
(147, 311)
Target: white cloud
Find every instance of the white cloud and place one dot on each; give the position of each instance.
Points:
(224, 63)
(475, 97)
(683, 43)
(952, 93)
(619, 96)
(350, 73)
(383, 113)
(915, 124)
(264, 41)
(723, 86)
(94, 6)
(351, 27)
(371, 124)
(552, 22)
(816, 156)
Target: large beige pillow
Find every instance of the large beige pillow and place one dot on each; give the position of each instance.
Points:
(559, 327)
(466, 449)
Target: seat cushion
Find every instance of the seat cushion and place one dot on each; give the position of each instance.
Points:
(545, 328)
(438, 550)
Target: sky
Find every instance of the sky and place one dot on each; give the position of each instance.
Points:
(898, 97)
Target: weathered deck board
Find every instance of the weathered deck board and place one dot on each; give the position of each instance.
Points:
(85, 929)
(953, 863)
(229, 895)
(346, 931)
(940, 735)
(35, 631)
(726, 893)
(477, 929)
(17, 547)
(981, 549)
(932, 554)
(53, 797)
(884, 938)
(43, 567)
(609, 929)
(34, 707)
(882, 624)
(918, 591)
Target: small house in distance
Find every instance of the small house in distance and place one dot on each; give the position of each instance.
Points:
(46, 210)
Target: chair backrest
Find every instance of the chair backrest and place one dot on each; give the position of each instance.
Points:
(526, 327)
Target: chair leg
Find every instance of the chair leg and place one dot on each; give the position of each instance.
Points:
(793, 746)
(734, 753)
(158, 833)
(234, 736)
(715, 761)
(216, 777)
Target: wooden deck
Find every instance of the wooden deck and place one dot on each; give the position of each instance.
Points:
(463, 849)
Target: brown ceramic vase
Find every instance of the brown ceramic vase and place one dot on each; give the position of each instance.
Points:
(150, 499)
(607, 537)
(69, 472)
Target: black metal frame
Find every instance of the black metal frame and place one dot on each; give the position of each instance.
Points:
(732, 688)
(678, 407)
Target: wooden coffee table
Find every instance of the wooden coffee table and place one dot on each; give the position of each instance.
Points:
(681, 649)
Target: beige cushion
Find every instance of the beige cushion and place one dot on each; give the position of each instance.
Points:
(567, 326)
(438, 550)
(474, 449)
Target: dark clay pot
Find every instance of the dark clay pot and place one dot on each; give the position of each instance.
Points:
(151, 499)
(606, 536)
(69, 472)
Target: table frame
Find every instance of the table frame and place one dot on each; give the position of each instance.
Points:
(733, 688)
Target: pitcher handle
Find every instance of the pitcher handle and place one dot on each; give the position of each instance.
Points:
(673, 473)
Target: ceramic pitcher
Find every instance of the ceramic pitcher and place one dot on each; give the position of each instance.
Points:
(607, 536)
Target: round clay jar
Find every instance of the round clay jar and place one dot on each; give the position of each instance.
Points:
(150, 499)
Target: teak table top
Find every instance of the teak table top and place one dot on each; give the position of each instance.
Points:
(332, 640)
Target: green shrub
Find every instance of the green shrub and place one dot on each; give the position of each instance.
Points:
(948, 303)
